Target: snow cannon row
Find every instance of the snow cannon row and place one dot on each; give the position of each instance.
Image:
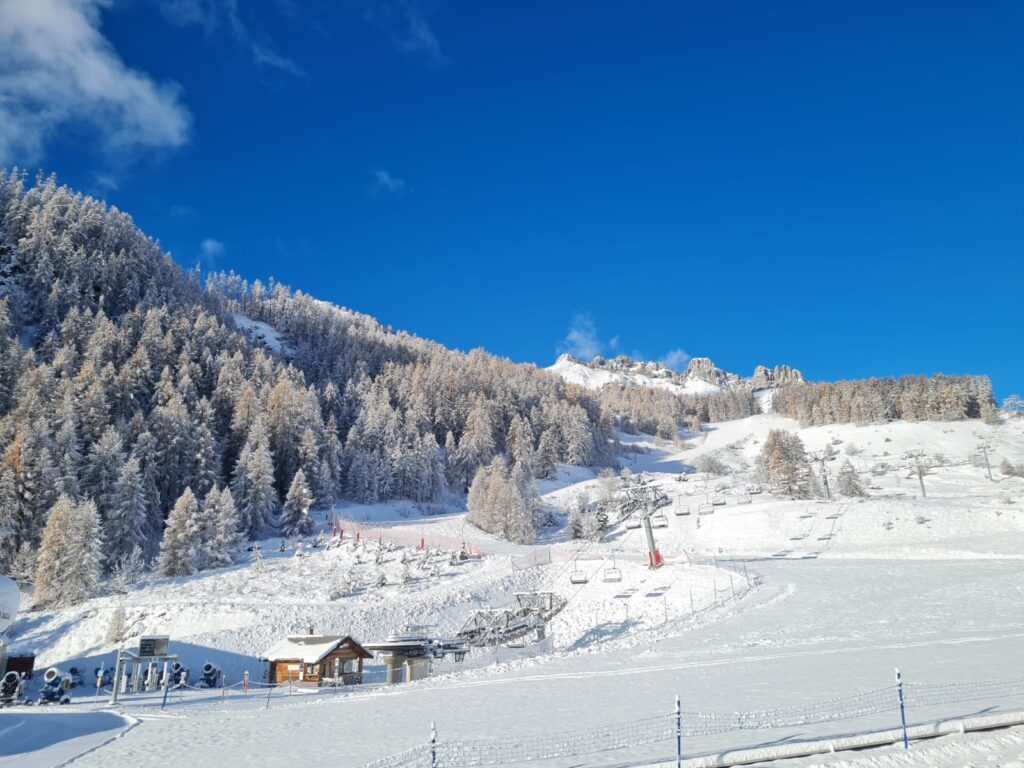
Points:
(54, 691)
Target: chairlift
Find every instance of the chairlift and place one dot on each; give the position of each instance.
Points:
(682, 509)
(705, 509)
(578, 576)
(718, 501)
(659, 521)
(633, 522)
(612, 574)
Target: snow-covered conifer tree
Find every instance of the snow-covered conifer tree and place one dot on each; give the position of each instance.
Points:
(848, 481)
(68, 566)
(178, 550)
(125, 526)
(295, 519)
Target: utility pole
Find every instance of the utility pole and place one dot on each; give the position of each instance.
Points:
(988, 466)
(920, 475)
(824, 476)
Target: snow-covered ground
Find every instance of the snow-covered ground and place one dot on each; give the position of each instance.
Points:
(764, 603)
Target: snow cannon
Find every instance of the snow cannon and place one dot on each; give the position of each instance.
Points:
(179, 674)
(53, 688)
(12, 690)
(105, 675)
(211, 675)
(10, 596)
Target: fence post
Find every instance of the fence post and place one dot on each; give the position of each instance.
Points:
(679, 734)
(903, 713)
(433, 745)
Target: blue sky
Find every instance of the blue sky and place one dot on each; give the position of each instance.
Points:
(837, 186)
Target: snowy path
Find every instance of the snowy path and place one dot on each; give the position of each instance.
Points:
(817, 629)
(31, 739)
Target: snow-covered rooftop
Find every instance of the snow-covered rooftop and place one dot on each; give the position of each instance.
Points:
(308, 648)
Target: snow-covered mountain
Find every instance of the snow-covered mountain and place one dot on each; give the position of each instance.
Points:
(701, 377)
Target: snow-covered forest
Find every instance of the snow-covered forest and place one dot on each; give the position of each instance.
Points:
(128, 382)
(177, 416)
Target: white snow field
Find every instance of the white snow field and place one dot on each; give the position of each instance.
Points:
(797, 607)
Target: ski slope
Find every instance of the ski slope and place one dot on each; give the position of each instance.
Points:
(764, 603)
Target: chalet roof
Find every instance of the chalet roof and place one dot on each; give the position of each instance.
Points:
(309, 649)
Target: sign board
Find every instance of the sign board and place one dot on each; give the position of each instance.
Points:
(153, 645)
(10, 595)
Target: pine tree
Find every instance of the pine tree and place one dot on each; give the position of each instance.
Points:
(295, 520)
(253, 483)
(226, 536)
(178, 550)
(68, 567)
(546, 460)
(848, 481)
(125, 527)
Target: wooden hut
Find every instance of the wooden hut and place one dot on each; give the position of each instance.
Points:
(317, 659)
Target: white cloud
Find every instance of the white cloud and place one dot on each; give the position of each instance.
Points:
(385, 183)
(56, 67)
(211, 248)
(676, 359)
(581, 341)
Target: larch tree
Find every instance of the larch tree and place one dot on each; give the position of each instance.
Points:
(68, 567)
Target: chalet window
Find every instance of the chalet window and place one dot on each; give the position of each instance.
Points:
(311, 670)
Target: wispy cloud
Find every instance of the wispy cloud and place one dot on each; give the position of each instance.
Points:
(214, 15)
(386, 183)
(181, 211)
(582, 341)
(210, 249)
(407, 25)
(56, 67)
(676, 359)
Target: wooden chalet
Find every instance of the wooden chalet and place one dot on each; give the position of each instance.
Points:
(317, 659)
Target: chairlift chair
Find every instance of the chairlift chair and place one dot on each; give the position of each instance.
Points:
(633, 522)
(578, 577)
(612, 574)
(659, 521)
(718, 501)
(682, 509)
(705, 509)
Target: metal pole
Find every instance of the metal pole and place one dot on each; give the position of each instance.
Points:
(167, 689)
(433, 745)
(903, 713)
(920, 478)
(824, 476)
(988, 466)
(679, 734)
(117, 677)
